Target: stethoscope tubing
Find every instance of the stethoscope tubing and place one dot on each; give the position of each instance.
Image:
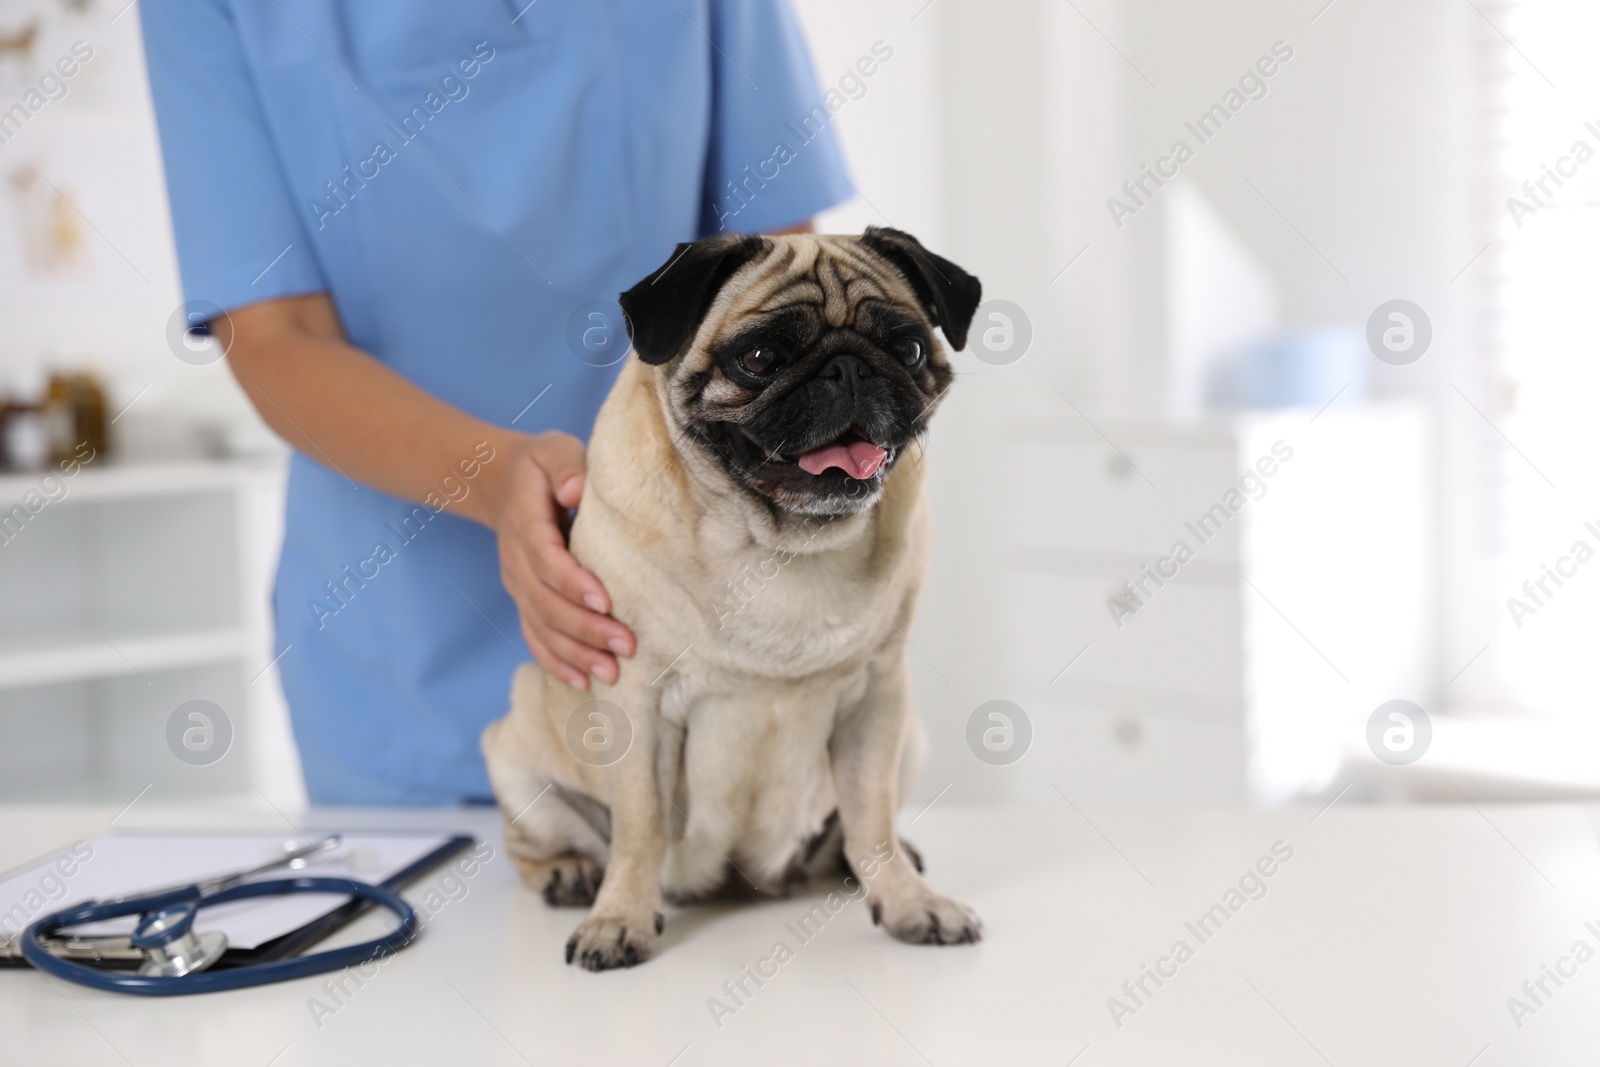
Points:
(232, 978)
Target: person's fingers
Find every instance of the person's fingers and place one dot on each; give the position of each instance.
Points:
(570, 492)
(562, 457)
(570, 639)
(564, 610)
(598, 632)
(558, 669)
(547, 661)
(544, 548)
(561, 571)
(588, 660)
(523, 585)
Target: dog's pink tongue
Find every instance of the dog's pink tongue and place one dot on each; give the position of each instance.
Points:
(858, 459)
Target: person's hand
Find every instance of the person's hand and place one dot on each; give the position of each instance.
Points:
(563, 608)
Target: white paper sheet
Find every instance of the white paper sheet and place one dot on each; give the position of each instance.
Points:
(107, 865)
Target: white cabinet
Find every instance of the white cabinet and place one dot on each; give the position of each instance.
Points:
(1233, 598)
(128, 591)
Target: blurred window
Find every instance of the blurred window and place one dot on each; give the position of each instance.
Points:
(1548, 252)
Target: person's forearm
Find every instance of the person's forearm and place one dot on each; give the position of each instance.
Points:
(346, 410)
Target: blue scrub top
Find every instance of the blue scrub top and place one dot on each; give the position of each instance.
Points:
(468, 181)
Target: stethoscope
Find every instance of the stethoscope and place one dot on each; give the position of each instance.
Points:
(175, 958)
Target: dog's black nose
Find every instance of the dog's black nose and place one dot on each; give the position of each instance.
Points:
(844, 367)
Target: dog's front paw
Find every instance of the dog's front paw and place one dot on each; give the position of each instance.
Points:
(601, 943)
(928, 919)
(572, 882)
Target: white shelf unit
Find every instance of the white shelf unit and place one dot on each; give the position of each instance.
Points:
(132, 590)
(1248, 675)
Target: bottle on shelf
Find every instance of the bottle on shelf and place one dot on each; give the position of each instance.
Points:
(25, 438)
(87, 400)
(58, 417)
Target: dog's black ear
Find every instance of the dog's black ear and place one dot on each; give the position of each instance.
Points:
(949, 293)
(665, 309)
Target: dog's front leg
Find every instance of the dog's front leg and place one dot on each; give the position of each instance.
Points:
(622, 926)
(865, 751)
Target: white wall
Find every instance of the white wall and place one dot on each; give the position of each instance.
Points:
(1002, 131)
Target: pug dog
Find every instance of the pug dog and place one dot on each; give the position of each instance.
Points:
(754, 505)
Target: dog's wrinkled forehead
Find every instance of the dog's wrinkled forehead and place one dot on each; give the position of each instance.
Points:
(832, 277)
(708, 285)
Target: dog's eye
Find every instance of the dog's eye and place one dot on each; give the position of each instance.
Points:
(759, 361)
(909, 351)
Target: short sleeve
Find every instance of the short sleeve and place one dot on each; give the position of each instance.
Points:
(238, 235)
(774, 156)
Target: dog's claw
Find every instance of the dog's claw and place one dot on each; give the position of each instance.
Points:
(602, 944)
(569, 882)
(661, 922)
(933, 920)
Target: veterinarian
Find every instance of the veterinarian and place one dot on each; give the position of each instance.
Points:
(401, 221)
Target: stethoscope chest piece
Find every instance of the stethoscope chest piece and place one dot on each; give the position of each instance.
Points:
(174, 948)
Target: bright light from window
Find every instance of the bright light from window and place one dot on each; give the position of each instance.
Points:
(1550, 632)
